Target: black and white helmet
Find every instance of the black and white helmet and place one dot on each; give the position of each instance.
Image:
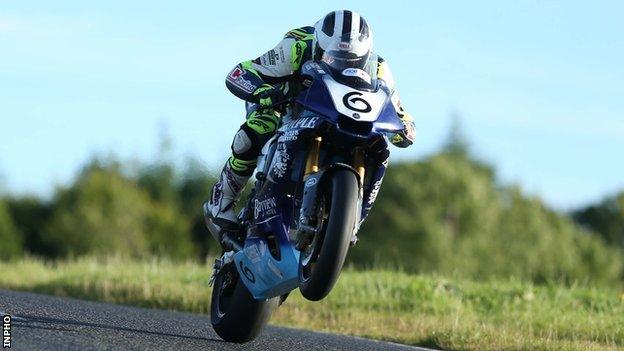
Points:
(344, 39)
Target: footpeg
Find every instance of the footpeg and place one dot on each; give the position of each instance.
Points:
(226, 258)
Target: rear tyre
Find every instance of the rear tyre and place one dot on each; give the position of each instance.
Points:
(235, 315)
(320, 264)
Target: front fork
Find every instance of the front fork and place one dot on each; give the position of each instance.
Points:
(312, 162)
(307, 225)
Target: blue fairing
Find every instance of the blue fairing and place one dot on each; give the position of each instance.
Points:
(318, 99)
(265, 276)
(388, 120)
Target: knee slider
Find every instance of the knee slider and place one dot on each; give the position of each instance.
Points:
(247, 144)
(242, 143)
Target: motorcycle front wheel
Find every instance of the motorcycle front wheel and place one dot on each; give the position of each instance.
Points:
(321, 262)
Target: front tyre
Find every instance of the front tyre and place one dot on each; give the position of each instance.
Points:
(321, 262)
(235, 315)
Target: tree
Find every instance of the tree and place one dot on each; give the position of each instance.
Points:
(30, 215)
(193, 189)
(606, 218)
(447, 214)
(456, 142)
(105, 213)
(426, 212)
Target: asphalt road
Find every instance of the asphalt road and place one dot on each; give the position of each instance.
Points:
(41, 322)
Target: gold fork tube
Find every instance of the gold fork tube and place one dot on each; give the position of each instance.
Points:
(313, 157)
(358, 164)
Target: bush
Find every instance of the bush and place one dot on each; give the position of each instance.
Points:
(10, 237)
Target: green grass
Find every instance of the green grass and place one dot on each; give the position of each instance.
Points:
(423, 310)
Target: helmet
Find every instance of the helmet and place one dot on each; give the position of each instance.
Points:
(343, 40)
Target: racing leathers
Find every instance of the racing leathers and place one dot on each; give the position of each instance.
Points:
(268, 80)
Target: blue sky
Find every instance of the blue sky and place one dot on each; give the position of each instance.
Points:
(539, 84)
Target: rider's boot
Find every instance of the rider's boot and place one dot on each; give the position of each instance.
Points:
(219, 211)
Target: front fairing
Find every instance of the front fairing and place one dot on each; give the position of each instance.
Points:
(330, 98)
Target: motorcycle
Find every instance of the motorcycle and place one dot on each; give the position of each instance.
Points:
(316, 181)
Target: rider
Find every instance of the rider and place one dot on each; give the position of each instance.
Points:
(273, 78)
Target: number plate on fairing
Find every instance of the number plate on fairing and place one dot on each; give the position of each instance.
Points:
(357, 104)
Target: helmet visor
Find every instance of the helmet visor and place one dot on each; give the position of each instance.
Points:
(345, 52)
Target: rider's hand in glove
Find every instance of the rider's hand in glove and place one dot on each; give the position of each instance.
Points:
(269, 95)
(405, 137)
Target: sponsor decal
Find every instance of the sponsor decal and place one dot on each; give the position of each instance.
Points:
(374, 192)
(345, 45)
(232, 183)
(356, 103)
(265, 208)
(312, 65)
(271, 58)
(298, 53)
(307, 122)
(290, 135)
(216, 194)
(356, 72)
(280, 162)
(256, 122)
(311, 182)
(236, 78)
(237, 72)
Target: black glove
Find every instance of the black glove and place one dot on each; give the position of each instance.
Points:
(269, 95)
(405, 137)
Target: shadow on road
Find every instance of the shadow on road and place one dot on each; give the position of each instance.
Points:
(62, 324)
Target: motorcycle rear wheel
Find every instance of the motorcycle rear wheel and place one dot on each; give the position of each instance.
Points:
(235, 315)
(320, 264)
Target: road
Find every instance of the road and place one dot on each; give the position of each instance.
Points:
(41, 322)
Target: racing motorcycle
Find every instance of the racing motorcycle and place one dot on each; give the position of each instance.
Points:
(316, 180)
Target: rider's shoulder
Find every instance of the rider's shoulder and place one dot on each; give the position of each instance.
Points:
(301, 33)
(384, 73)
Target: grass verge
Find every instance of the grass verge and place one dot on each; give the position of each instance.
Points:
(424, 310)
